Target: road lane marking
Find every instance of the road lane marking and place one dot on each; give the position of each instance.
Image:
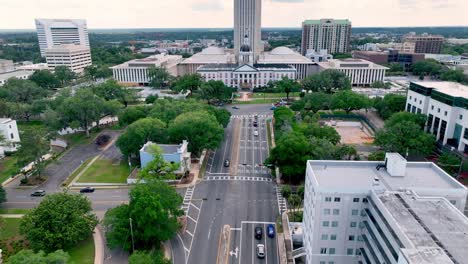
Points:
(189, 217)
(188, 232)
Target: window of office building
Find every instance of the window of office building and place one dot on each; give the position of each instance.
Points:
(323, 262)
(324, 237)
(353, 224)
(438, 110)
(332, 237)
(326, 223)
(359, 238)
(432, 107)
(334, 223)
(349, 251)
(327, 199)
(408, 108)
(351, 238)
(460, 117)
(354, 212)
(337, 199)
(331, 251)
(420, 101)
(323, 250)
(336, 211)
(356, 200)
(364, 200)
(445, 113)
(326, 211)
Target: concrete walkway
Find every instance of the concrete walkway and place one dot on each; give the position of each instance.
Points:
(98, 246)
(11, 215)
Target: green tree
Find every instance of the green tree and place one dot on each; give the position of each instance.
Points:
(189, 82)
(60, 221)
(378, 155)
(91, 71)
(390, 104)
(112, 90)
(22, 91)
(286, 85)
(2, 195)
(399, 117)
(313, 130)
(200, 129)
(449, 162)
(326, 81)
(301, 191)
(429, 67)
(403, 134)
(28, 257)
(349, 101)
(150, 99)
(456, 75)
(33, 146)
(158, 168)
(158, 77)
(345, 152)
(64, 75)
(140, 132)
(295, 203)
(286, 191)
(215, 90)
(45, 79)
(132, 114)
(395, 67)
(145, 257)
(153, 209)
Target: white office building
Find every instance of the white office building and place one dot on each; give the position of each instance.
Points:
(247, 25)
(33, 67)
(53, 32)
(75, 57)
(246, 76)
(392, 212)
(446, 107)
(360, 72)
(135, 72)
(333, 35)
(9, 131)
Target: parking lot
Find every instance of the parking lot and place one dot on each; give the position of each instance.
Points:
(244, 244)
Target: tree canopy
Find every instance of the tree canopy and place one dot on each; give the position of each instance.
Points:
(64, 75)
(189, 82)
(60, 221)
(158, 77)
(28, 256)
(349, 101)
(390, 104)
(286, 85)
(326, 81)
(215, 90)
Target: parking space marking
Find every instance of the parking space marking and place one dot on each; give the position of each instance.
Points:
(237, 178)
(282, 206)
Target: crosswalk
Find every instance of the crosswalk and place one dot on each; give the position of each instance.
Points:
(282, 207)
(250, 116)
(237, 178)
(187, 199)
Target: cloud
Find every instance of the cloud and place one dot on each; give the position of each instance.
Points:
(207, 5)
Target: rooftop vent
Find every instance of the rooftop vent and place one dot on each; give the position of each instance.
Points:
(395, 164)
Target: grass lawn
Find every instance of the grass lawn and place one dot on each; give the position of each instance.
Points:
(14, 210)
(103, 171)
(8, 168)
(274, 95)
(76, 172)
(22, 125)
(83, 253)
(257, 101)
(79, 138)
(10, 227)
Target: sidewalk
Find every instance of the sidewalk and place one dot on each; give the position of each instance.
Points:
(11, 215)
(98, 246)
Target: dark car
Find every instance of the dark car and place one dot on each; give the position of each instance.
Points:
(87, 190)
(226, 163)
(258, 232)
(38, 193)
(235, 107)
(255, 124)
(271, 231)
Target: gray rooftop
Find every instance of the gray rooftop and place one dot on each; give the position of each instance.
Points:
(436, 230)
(169, 148)
(360, 175)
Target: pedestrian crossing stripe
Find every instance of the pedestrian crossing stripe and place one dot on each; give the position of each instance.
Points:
(251, 116)
(237, 178)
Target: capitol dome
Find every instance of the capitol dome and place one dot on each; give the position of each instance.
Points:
(282, 51)
(213, 51)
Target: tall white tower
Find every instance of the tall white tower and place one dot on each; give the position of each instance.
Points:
(247, 25)
(52, 32)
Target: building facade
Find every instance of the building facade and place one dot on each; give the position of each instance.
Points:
(382, 212)
(247, 24)
(405, 59)
(333, 35)
(6, 66)
(360, 72)
(53, 32)
(423, 43)
(75, 57)
(446, 106)
(9, 131)
(135, 72)
(246, 76)
(20, 74)
(318, 56)
(171, 153)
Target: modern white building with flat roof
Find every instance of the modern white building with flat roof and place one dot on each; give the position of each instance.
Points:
(391, 212)
(75, 57)
(446, 106)
(360, 72)
(136, 71)
(10, 134)
(53, 32)
(14, 74)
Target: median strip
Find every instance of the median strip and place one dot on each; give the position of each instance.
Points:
(224, 244)
(235, 149)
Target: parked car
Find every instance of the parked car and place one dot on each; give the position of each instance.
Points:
(271, 230)
(273, 108)
(261, 251)
(256, 133)
(227, 163)
(258, 232)
(255, 124)
(235, 107)
(38, 193)
(87, 190)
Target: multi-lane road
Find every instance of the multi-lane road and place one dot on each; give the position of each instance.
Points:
(241, 195)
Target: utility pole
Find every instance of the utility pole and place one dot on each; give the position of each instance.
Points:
(131, 232)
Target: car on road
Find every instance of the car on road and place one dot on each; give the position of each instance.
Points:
(256, 133)
(258, 232)
(235, 107)
(38, 193)
(227, 163)
(261, 251)
(273, 108)
(87, 190)
(255, 124)
(271, 231)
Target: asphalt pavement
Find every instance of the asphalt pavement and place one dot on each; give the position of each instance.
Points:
(241, 200)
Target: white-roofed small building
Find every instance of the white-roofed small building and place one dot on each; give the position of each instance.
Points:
(10, 134)
(360, 72)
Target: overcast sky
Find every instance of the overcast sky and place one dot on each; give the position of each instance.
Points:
(20, 14)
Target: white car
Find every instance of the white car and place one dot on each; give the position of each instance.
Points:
(256, 133)
(261, 251)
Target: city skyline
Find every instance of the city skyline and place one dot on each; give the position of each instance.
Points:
(219, 13)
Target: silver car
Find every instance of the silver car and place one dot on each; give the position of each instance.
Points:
(261, 251)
